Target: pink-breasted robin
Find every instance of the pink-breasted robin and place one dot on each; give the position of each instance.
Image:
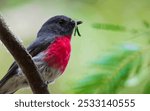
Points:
(50, 52)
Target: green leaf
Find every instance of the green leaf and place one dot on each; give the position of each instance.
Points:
(112, 27)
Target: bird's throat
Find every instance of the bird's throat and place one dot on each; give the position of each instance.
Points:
(58, 53)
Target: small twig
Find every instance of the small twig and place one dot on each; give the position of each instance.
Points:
(23, 59)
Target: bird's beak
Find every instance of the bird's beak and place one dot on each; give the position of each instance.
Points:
(79, 22)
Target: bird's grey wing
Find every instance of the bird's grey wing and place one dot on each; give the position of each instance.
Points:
(36, 47)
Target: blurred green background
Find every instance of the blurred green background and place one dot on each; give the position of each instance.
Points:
(112, 56)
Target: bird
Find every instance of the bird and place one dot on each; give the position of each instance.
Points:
(50, 52)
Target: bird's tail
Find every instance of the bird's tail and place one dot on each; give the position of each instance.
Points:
(7, 86)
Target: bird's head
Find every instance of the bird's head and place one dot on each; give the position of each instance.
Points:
(59, 25)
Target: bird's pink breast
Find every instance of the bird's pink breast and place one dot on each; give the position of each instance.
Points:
(58, 53)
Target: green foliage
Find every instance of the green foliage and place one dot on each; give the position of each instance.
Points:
(112, 71)
(146, 24)
(147, 88)
(112, 27)
(120, 28)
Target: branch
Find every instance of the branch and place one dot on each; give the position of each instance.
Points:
(23, 59)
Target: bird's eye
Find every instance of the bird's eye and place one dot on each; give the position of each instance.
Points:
(62, 22)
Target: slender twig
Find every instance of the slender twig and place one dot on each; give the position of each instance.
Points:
(23, 59)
